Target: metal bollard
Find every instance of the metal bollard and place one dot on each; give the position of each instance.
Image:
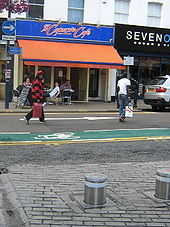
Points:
(162, 190)
(95, 189)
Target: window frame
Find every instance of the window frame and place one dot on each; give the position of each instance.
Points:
(35, 4)
(116, 13)
(149, 17)
(78, 9)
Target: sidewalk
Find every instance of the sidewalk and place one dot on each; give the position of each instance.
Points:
(91, 106)
(48, 196)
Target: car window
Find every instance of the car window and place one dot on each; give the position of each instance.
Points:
(157, 81)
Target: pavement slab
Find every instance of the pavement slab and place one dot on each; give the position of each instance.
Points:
(53, 195)
(91, 106)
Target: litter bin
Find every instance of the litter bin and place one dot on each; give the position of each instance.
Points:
(95, 189)
(162, 190)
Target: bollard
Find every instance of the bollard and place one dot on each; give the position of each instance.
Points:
(162, 190)
(95, 189)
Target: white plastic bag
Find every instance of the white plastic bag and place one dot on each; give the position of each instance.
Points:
(129, 110)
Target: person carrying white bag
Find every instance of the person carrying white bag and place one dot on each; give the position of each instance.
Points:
(123, 92)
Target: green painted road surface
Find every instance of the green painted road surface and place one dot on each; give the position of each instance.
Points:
(85, 136)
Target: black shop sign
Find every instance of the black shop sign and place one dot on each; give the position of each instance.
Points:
(139, 38)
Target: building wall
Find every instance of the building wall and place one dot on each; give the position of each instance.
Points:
(102, 11)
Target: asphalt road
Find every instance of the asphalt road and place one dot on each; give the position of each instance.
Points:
(81, 153)
(64, 122)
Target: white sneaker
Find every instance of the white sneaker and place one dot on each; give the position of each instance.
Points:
(44, 104)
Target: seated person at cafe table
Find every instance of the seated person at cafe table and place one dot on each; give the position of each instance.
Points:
(54, 93)
(65, 85)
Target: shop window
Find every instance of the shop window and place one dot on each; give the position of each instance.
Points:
(2, 72)
(165, 66)
(149, 68)
(47, 76)
(29, 70)
(154, 14)
(36, 9)
(75, 10)
(94, 83)
(121, 14)
(59, 75)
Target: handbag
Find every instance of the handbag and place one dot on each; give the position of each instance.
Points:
(37, 109)
(129, 110)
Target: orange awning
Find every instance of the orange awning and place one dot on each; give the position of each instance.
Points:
(62, 54)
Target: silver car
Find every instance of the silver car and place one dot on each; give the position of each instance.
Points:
(157, 92)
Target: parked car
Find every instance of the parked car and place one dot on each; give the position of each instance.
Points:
(157, 92)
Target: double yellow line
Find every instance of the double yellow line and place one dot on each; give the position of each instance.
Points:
(61, 142)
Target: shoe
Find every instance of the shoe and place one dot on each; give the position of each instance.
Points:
(43, 121)
(25, 119)
(121, 119)
(44, 104)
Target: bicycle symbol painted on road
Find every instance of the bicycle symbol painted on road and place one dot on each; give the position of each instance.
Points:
(63, 136)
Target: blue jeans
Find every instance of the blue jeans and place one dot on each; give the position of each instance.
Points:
(123, 102)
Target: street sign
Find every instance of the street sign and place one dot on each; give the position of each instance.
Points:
(128, 60)
(2, 20)
(8, 27)
(15, 50)
(7, 73)
(9, 37)
(8, 58)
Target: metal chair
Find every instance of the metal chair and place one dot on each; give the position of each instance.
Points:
(16, 95)
(66, 97)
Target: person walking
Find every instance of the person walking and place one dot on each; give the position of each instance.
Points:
(123, 92)
(36, 96)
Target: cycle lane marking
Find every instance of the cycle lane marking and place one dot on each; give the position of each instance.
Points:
(86, 136)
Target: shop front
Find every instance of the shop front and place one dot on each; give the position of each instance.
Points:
(150, 48)
(84, 54)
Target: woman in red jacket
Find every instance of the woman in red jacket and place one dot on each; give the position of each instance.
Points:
(36, 96)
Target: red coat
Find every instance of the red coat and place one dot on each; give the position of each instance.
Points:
(37, 91)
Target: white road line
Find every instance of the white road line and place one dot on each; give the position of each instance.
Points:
(129, 129)
(14, 133)
(72, 118)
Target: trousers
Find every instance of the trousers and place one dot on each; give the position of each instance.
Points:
(123, 102)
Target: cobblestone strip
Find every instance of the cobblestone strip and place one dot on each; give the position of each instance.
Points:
(2, 219)
(51, 195)
(15, 207)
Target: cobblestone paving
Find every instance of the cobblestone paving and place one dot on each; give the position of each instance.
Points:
(53, 195)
